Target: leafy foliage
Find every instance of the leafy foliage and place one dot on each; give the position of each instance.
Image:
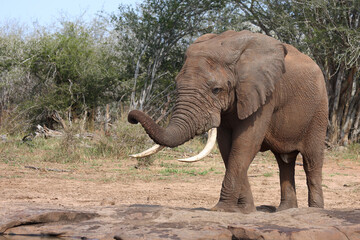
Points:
(156, 36)
(69, 71)
(133, 57)
(73, 73)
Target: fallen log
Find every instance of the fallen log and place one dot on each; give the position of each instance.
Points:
(46, 132)
(43, 131)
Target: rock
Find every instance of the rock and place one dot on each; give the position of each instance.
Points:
(159, 222)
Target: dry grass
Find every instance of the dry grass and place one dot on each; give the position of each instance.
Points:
(112, 148)
(110, 152)
(72, 171)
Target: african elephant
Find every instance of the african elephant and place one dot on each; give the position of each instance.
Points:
(261, 95)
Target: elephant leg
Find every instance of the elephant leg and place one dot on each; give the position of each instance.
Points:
(245, 198)
(286, 163)
(236, 193)
(246, 139)
(234, 177)
(224, 139)
(313, 162)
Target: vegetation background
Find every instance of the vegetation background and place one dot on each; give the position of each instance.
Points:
(82, 77)
(73, 83)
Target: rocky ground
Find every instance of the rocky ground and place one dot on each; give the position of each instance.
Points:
(169, 200)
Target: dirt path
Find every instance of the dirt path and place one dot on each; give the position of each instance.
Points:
(166, 183)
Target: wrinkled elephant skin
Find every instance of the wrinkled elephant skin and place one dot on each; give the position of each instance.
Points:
(261, 95)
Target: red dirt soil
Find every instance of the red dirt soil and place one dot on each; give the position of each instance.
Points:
(111, 184)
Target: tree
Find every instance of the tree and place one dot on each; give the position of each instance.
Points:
(15, 82)
(329, 32)
(154, 37)
(333, 35)
(71, 70)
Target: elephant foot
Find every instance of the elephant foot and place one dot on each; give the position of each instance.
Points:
(226, 207)
(286, 205)
(316, 200)
(319, 204)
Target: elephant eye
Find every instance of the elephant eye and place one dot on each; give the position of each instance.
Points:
(216, 90)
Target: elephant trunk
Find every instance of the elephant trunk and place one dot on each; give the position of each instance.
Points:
(171, 136)
(185, 123)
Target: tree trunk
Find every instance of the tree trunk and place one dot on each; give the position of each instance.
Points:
(344, 106)
(133, 101)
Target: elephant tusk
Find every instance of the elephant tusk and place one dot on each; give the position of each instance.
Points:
(207, 149)
(154, 149)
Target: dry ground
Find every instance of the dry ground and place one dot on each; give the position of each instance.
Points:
(108, 181)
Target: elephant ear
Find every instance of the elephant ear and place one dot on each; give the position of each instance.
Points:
(258, 68)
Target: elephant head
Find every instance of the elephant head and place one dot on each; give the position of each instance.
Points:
(234, 72)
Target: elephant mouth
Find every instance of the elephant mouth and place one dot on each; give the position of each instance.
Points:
(212, 134)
